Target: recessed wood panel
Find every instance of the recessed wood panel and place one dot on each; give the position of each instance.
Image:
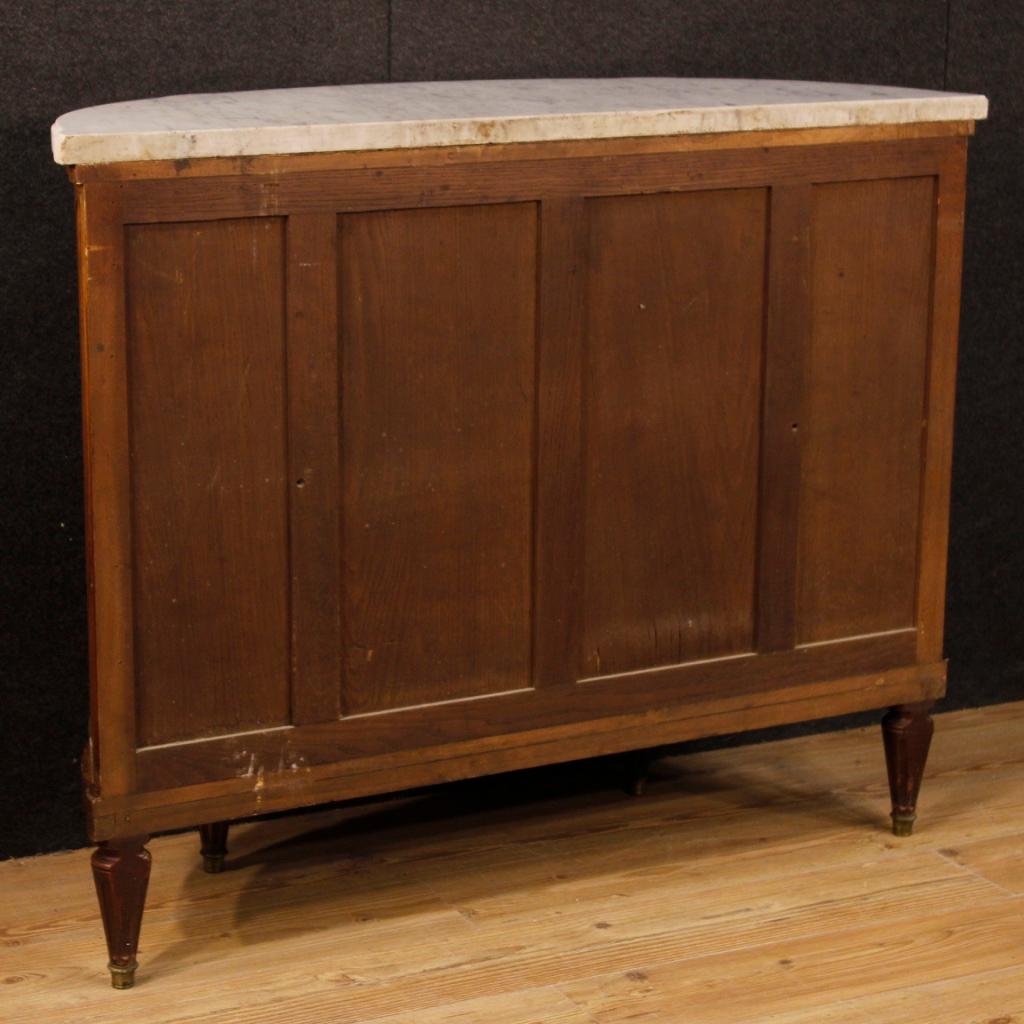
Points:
(863, 407)
(671, 423)
(206, 371)
(437, 399)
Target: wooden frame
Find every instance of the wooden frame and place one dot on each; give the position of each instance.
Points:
(135, 787)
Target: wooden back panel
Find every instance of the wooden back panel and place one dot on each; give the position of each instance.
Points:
(675, 306)
(384, 459)
(864, 406)
(437, 411)
(205, 316)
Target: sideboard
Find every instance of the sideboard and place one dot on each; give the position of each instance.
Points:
(435, 430)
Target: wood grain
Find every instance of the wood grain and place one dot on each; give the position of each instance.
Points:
(401, 187)
(751, 883)
(262, 772)
(437, 463)
(787, 326)
(209, 478)
(522, 717)
(995, 997)
(864, 404)
(108, 502)
(941, 392)
(561, 325)
(314, 504)
(671, 425)
(1000, 860)
(865, 960)
(445, 155)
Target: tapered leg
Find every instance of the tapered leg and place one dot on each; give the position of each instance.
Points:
(214, 838)
(637, 770)
(907, 732)
(120, 869)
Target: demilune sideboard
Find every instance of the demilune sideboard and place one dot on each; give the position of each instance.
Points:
(434, 430)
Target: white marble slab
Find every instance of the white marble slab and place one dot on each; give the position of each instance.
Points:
(407, 114)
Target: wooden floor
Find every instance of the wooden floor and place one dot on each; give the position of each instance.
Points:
(752, 884)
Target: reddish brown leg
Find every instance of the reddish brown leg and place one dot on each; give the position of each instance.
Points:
(907, 732)
(637, 770)
(120, 868)
(214, 848)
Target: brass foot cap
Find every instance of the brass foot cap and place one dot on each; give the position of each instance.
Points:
(213, 863)
(903, 824)
(122, 976)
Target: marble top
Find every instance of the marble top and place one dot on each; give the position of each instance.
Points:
(399, 115)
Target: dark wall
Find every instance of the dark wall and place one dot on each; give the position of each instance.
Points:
(55, 58)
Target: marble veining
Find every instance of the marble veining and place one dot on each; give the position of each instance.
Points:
(410, 114)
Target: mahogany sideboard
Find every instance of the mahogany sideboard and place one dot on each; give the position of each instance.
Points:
(438, 430)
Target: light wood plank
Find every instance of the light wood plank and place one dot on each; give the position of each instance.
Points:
(999, 859)
(995, 997)
(756, 983)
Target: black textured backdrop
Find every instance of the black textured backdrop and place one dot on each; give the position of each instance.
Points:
(56, 57)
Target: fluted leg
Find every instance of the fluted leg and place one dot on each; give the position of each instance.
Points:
(214, 839)
(907, 732)
(637, 770)
(120, 869)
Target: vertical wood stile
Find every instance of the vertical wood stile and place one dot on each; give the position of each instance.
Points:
(104, 351)
(313, 415)
(558, 561)
(787, 327)
(937, 438)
